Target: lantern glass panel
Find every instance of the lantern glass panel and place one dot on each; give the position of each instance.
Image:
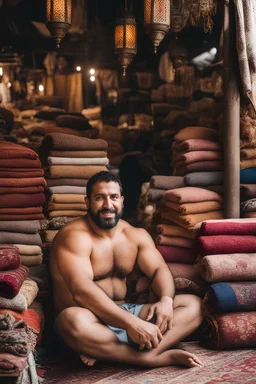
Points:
(57, 8)
(162, 11)
(119, 36)
(130, 36)
(147, 11)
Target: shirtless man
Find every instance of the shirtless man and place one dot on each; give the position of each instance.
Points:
(91, 258)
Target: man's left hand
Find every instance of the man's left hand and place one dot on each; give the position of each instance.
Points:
(163, 310)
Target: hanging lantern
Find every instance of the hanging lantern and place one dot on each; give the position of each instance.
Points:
(156, 19)
(58, 18)
(179, 15)
(125, 39)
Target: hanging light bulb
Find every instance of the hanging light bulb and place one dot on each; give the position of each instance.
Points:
(125, 39)
(58, 18)
(156, 20)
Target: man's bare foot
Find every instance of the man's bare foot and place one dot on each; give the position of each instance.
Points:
(89, 361)
(181, 357)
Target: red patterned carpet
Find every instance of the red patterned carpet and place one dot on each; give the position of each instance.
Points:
(220, 367)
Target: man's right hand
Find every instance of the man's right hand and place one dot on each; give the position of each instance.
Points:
(145, 334)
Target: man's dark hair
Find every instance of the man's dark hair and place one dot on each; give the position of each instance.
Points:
(102, 176)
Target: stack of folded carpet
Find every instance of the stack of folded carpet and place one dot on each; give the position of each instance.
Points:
(227, 249)
(197, 155)
(19, 324)
(69, 163)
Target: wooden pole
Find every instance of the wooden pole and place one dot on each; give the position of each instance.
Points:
(231, 131)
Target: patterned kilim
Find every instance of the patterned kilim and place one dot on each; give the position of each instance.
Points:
(236, 366)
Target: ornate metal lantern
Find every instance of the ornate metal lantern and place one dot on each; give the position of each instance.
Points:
(156, 19)
(125, 39)
(58, 18)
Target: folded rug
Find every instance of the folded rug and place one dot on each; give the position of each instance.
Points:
(229, 267)
(11, 281)
(9, 257)
(12, 365)
(20, 173)
(10, 150)
(31, 261)
(174, 241)
(22, 200)
(247, 163)
(29, 249)
(182, 159)
(172, 254)
(73, 171)
(78, 161)
(66, 207)
(187, 271)
(249, 215)
(67, 198)
(174, 230)
(21, 211)
(62, 141)
(191, 195)
(49, 235)
(20, 238)
(30, 316)
(166, 182)
(216, 188)
(22, 182)
(83, 154)
(220, 244)
(190, 208)
(32, 226)
(69, 213)
(20, 162)
(204, 178)
(189, 221)
(247, 176)
(249, 153)
(58, 222)
(32, 216)
(23, 299)
(229, 331)
(196, 145)
(197, 133)
(155, 194)
(232, 227)
(36, 189)
(66, 182)
(67, 189)
(231, 297)
(73, 121)
(214, 165)
(247, 191)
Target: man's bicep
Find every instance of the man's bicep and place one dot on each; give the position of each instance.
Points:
(149, 258)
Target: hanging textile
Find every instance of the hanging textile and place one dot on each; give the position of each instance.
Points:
(246, 46)
(165, 68)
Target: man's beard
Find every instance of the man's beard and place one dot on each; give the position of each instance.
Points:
(105, 222)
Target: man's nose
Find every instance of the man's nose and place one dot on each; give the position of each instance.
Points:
(107, 203)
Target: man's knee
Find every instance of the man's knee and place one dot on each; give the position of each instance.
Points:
(73, 322)
(193, 305)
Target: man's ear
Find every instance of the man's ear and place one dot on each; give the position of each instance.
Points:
(86, 201)
(122, 198)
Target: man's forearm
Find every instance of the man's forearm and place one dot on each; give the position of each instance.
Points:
(97, 301)
(163, 283)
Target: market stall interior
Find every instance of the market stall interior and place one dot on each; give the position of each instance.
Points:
(162, 94)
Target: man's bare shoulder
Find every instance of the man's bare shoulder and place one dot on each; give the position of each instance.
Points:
(137, 234)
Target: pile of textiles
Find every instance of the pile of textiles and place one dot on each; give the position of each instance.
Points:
(94, 115)
(248, 163)
(20, 325)
(227, 251)
(69, 162)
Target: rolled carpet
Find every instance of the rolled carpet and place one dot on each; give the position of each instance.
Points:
(78, 161)
(191, 195)
(249, 153)
(220, 244)
(67, 198)
(62, 141)
(223, 227)
(188, 271)
(247, 163)
(182, 159)
(172, 254)
(9, 257)
(31, 261)
(66, 207)
(191, 208)
(204, 179)
(231, 297)
(20, 238)
(26, 226)
(11, 281)
(29, 249)
(22, 200)
(155, 194)
(229, 331)
(67, 189)
(68, 213)
(174, 241)
(175, 230)
(73, 171)
(229, 267)
(197, 133)
(166, 182)
(66, 182)
(248, 176)
(198, 166)
(189, 221)
(196, 145)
